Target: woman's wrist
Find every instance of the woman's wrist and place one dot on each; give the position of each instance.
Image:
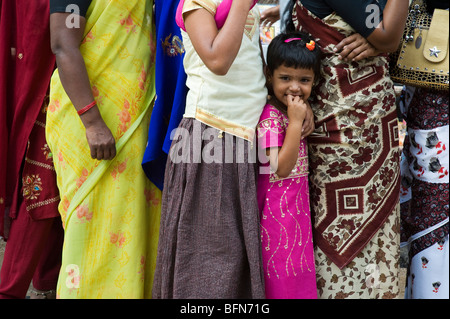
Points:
(91, 117)
(86, 108)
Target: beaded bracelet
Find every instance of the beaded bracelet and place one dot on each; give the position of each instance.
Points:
(86, 108)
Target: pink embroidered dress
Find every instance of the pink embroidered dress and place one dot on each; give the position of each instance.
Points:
(286, 230)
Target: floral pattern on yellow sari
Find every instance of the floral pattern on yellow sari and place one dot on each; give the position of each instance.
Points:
(110, 210)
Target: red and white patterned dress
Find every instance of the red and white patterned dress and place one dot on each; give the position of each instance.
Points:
(425, 193)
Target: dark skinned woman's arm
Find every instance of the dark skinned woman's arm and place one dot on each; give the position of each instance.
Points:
(65, 44)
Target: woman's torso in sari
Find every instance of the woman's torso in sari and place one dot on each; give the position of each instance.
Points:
(354, 151)
(109, 209)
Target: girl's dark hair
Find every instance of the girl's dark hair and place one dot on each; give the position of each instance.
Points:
(293, 53)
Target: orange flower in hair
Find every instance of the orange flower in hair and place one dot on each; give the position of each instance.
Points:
(311, 45)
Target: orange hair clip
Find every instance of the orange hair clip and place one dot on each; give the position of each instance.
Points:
(311, 45)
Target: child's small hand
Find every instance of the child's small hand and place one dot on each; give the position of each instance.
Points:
(296, 109)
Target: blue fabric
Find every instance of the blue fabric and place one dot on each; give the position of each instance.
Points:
(171, 91)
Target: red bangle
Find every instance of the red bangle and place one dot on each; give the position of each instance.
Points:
(86, 108)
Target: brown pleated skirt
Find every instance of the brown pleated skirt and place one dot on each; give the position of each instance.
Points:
(209, 244)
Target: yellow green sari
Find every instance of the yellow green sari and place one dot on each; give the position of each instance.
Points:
(110, 210)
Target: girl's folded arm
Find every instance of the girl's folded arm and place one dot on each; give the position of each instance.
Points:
(283, 159)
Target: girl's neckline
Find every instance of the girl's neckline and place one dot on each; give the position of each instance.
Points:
(278, 105)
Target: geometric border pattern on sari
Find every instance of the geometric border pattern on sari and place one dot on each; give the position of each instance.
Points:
(347, 197)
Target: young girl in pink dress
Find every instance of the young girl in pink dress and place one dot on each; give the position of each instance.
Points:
(293, 66)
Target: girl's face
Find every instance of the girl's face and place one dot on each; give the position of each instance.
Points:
(291, 81)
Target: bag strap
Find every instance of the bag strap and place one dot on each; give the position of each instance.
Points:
(436, 45)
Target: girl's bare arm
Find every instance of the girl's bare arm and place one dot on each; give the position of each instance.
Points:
(218, 48)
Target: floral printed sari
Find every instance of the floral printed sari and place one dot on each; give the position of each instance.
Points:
(354, 169)
(110, 210)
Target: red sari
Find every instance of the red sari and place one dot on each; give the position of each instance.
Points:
(29, 197)
(26, 64)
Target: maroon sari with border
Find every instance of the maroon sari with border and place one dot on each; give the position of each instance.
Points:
(354, 151)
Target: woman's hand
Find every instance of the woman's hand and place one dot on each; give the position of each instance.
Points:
(355, 48)
(270, 16)
(101, 141)
(308, 124)
(99, 137)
